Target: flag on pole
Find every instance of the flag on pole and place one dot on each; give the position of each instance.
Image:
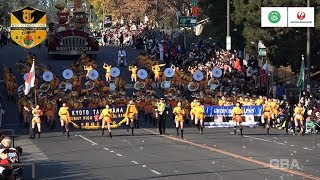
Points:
(300, 82)
(29, 82)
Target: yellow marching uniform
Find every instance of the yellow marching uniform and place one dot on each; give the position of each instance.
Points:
(88, 69)
(36, 115)
(267, 111)
(133, 70)
(64, 114)
(298, 113)
(131, 111)
(237, 112)
(106, 116)
(179, 114)
(199, 112)
(108, 69)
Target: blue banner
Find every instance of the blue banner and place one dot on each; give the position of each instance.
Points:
(88, 118)
(211, 111)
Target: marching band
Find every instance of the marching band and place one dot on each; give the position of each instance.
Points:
(62, 95)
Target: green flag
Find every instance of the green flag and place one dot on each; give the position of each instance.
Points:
(300, 82)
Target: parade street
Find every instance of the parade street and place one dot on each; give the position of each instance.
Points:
(215, 155)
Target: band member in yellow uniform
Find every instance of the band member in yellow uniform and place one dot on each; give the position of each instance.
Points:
(156, 70)
(237, 113)
(199, 116)
(266, 115)
(274, 111)
(108, 69)
(88, 69)
(298, 117)
(37, 113)
(179, 113)
(131, 114)
(106, 116)
(133, 70)
(192, 106)
(64, 118)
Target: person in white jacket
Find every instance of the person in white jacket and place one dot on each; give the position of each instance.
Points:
(161, 51)
(122, 54)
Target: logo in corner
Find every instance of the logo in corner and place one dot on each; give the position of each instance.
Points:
(301, 15)
(274, 17)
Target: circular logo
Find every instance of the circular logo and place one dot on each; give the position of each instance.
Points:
(301, 15)
(274, 16)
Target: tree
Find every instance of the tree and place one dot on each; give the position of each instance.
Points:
(131, 10)
(284, 45)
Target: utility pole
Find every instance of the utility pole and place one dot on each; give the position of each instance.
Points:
(308, 53)
(228, 25)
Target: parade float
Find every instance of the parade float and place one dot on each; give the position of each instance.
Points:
(70, 35)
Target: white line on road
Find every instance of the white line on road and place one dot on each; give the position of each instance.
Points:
(119, 155)
(106, 149)
(134, 162)
(112, 151)
(307, 148)
(258, 138)
(154, 171)
(279, 143)
(93, 143)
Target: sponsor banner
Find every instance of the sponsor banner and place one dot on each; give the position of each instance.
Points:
(28, 27)
(300, 16)
(73, 48)
(228, 124)
(88, 118)
(274, 17)
(226, 111)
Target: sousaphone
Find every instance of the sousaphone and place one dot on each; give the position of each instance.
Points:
(193, 86)
(213, 84)
(197, 76)
(165, 84)
(89, 85)
(139, 85)
(44, 87)
(112, 87)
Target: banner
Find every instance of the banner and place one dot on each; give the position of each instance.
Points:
(88, 118)
(226, 111)
(28, 27)
(274, 17)
(300, 16)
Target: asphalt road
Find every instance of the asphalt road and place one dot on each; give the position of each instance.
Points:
(214, 155)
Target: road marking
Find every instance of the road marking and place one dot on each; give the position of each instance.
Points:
(134, 162)
(106, 149)
(154, 171)
(112, 151)
(279, 143)
(307, 148)
(266, 140)
(257, 138)
(119, 155)
(236, 156)
(93, 143)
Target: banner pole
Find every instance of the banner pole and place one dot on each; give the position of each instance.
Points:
(35, 96)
